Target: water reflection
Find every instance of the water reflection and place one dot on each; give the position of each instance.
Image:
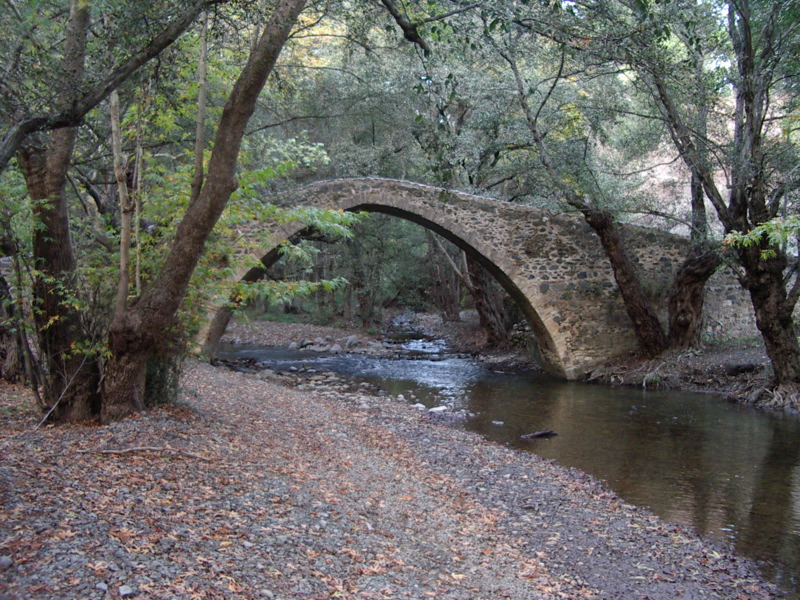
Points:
(727, 471)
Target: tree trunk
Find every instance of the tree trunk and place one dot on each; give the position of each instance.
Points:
(687, 293)
(135, 335)
(200, 136)
(72, 377)
(774, 313)
(125, 208)
(491, 312)
(70, 386)
(649, 332)
(686, 296)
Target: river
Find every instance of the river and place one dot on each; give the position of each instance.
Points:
(730, 472)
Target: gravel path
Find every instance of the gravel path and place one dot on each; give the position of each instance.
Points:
(251, 490)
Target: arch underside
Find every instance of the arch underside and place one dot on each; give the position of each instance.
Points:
(552, 359)
(548, 352)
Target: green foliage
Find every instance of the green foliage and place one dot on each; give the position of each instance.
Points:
(384, 262)
(16, 214)
(771, 236)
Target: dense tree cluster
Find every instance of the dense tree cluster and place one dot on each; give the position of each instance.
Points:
(147, 131)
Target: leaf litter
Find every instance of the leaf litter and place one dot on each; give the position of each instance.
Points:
(249, 490)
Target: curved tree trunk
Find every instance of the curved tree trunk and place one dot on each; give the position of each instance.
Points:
(774, 313)
(687, 293)
(134, 336)
(686, 297)
(649, 331)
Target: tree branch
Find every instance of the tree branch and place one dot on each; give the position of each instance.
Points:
(410, 30)
(456, 11)
(72, 115)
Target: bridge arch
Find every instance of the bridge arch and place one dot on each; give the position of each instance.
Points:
(552, 265)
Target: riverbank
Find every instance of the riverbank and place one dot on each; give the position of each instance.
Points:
(246, 489)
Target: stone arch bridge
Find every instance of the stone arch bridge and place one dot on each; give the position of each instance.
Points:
(551, 264)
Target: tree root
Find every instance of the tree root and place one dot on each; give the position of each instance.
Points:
(784, 397)
(652, 376)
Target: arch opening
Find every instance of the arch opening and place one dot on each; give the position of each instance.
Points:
(546, 352)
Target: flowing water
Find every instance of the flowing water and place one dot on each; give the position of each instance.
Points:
(730, 472)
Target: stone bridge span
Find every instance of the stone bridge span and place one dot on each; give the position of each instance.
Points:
(551, 264)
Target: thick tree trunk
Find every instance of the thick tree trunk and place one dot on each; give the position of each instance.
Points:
(71, 386)
(135, 335)
(649, 331)
(774, 313)
(491, 312)
(687, 293)
(686, 296)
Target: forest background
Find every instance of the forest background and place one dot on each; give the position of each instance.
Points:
(135, 136)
